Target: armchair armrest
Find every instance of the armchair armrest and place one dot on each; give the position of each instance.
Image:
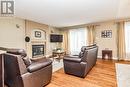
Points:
(75, 55)
(73, 59)
(37, 59)
(38, 65)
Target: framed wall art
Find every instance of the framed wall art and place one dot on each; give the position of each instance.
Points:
(106, 34)
(37, 34)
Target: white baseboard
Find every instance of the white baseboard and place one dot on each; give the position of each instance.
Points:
(100, 57)
(114, 58)
(127, 59)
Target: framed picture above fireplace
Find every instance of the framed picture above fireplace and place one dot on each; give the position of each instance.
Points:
(38, 34)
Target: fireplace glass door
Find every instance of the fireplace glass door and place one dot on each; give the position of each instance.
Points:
(37, 50)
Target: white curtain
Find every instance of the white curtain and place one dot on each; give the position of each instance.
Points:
(127, 39)
(78, 38)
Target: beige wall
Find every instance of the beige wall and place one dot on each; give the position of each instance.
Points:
(10, 35)
(110, 43)
(13, 37)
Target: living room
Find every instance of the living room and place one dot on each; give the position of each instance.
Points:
(56, 32)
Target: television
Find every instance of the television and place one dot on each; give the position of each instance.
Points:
(56, 38)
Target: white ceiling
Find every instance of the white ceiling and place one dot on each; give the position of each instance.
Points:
(62, 13)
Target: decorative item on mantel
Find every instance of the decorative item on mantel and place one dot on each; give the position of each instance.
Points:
(27, 39)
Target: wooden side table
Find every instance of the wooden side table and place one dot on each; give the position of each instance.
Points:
(108, 53)
(59, 54)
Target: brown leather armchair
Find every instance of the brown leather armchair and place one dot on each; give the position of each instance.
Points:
(1, 71)
(20, 72)
(82, 64)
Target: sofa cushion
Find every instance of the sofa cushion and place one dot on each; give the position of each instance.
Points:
(86, 48)
(38, 65)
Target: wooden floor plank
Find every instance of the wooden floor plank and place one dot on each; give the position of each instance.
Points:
(103, 74)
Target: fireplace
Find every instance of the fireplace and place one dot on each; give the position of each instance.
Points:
(37, 50)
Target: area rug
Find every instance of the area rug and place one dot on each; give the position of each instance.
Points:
(57, 64)
(123, 75)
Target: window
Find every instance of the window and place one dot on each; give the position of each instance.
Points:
(127, 39)
(78, 38)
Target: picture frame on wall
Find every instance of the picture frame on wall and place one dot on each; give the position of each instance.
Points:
(106, 34)
(37, 34)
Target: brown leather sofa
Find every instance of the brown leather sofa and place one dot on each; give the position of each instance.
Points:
(21, 72)
(82, 64)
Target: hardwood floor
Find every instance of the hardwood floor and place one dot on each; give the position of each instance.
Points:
(102, 75)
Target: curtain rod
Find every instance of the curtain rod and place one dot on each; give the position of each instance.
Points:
(78, 26)
(95, 24)
(122, 20)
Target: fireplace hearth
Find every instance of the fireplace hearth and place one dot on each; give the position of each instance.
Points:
(37, 50)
